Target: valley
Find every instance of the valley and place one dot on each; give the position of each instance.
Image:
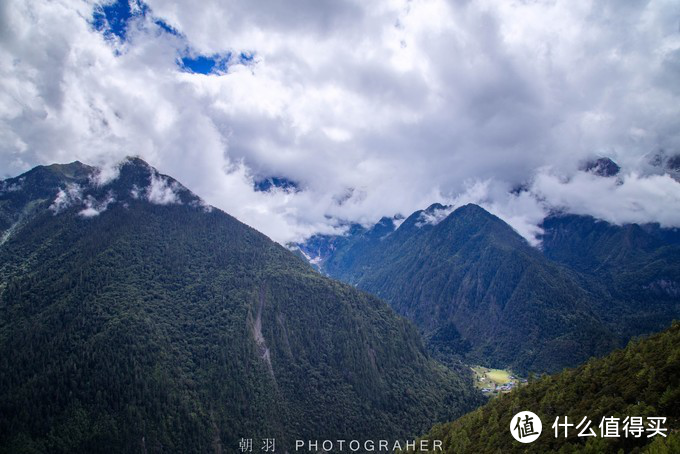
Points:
(494, 382)
(481, 294)
(641, 380)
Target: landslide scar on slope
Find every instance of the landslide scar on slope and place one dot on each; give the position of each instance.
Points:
(260, 341)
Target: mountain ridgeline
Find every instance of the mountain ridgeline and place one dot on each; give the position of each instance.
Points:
(478, 291)
(135, 318)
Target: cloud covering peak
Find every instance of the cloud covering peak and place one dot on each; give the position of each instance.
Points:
(373, 108)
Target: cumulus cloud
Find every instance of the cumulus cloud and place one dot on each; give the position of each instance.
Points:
(375, 108)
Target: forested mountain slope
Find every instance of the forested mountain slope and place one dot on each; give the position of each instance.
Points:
(480, 292)
(641, 380)
(134, 318)
(634, 267)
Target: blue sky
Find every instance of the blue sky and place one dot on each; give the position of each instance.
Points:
(112, 20)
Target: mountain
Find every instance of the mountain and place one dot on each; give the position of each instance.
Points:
(324, 251)
(642, 380)
(136, 318)
(270, 183)
(634, 268)
(603, 167)
(663, 163)
(478, 291)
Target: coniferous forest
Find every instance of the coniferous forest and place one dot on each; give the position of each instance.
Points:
(642, 379)
(176, 328)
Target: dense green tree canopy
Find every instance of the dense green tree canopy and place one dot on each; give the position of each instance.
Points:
(642, 379)
(170, 326)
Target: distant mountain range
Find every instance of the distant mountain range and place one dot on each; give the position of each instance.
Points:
(479, 292)
(136, 318)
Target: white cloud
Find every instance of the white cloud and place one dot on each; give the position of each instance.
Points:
(89, 212)
(523, 211)
(633, 198)
(434, 217)
(135, 192)
(161, 191)
(106, 173)
(203, 205)
(95, 208)
(628, 198)
(66, 197)
(386, 106)
(6, 186)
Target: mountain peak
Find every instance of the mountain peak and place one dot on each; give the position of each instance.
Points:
(89, 191)
(72, 170)
(382, 228)
(471, 212)
(272, 183)
(603, 167)
(471, 220)
(54, 174)
(471, 209)
(435, 207)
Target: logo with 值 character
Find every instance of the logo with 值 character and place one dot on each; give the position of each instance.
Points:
(525, 426)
